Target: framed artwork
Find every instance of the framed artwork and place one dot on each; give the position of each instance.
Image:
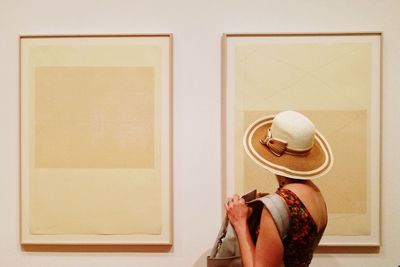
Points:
(335, 80)
(95, 134)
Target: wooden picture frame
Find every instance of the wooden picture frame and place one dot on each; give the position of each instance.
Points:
(334, 79)
(96, 139)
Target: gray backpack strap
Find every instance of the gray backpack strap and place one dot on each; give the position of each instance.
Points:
(277, 208)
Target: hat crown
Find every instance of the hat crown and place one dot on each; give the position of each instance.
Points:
(295, 129)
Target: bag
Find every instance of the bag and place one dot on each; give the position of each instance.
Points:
(226, 252)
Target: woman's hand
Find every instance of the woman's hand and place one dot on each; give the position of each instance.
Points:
(238, 212)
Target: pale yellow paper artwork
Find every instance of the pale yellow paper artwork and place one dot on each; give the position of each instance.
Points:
(95, 142)
(329, 83)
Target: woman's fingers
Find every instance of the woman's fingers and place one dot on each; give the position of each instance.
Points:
(235, 200)
(237, 210)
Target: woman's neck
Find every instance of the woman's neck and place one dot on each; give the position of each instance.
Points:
(283, 181)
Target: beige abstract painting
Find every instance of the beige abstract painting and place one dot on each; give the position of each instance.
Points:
(95, 140)
(334, 80)
(94, 117)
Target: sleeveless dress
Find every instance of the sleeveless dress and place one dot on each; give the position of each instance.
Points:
(303, 236)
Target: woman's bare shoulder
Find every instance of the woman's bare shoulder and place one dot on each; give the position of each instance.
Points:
(312, 199)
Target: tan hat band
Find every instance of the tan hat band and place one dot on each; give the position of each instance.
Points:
(278, 147)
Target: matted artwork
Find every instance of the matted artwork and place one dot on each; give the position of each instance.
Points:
(334, 79)
(96, 139)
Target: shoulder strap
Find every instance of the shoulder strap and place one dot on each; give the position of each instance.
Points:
(277, 208)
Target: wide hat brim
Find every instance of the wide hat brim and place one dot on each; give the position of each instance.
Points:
(317, 162)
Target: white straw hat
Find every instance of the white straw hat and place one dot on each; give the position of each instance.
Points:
(289, 145)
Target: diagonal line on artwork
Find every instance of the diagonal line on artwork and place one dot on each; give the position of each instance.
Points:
(310, 73)
(350, 119)
(346, 199)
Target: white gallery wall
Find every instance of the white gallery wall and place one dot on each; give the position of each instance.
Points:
(197, 27)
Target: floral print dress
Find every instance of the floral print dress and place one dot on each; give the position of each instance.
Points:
(303, 236)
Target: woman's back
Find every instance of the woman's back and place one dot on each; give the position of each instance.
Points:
(312, 199)
(307, 213)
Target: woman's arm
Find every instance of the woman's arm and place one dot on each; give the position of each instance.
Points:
(269, 248)
(268, 251)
